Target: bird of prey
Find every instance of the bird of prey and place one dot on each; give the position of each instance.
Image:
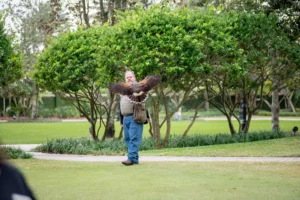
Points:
(137, 92)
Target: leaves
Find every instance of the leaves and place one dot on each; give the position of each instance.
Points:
(10, 59)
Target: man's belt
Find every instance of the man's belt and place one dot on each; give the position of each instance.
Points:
(130, 114)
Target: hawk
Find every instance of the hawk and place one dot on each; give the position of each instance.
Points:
(136, 92)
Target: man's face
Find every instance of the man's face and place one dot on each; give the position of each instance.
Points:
(129, 77)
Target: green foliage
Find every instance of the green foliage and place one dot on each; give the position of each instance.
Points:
(20, 92)
(156, 41)
(69, 67)
(82, 146)
(282, 114)
(268, 51)
(61, 112)
(117, 147)
(184, 46)
(204, 140)
(14, 153)
(10, 60)
(70, 62)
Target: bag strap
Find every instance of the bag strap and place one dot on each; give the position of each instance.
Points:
(139, 99)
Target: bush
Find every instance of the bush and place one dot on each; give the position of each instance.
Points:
(83, 146)
(14, 153)
(282, 113)
(46, 113)
(66, 112)
(86, 146)
(61, 112)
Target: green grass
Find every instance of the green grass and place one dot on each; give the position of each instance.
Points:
(285, 147)
(161, 180)
(64, 180)
(34, 133)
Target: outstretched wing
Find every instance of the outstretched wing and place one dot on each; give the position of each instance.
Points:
(121, 88)
(149, 82)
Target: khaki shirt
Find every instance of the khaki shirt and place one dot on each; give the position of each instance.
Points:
(125, 105)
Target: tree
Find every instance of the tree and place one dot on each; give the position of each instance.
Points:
(10, 61)
(172, 43)
(266, 58)
(32, 21)
(69, 68)
(287, 11)
(88, 12)
(288, 20)
(10, 64)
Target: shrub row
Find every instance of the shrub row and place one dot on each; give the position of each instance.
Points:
(86, 146)
(204, 140)
(61, 112)
(282, 114)
(82, 146)
(16, 153)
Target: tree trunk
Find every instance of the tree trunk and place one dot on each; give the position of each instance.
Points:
(150, 128)
(155, 121)
(168, 129)
(103, 14)
(231, 127)
(111, 8)
(156, 129)
(206, 104)
(4, 108)
(85, 8)
(176, 101)
(92, 131)
(192, 122)
(110, 125)
(275, 109)
(34, 100)
(290, 103)
(110, 130)
(247, 126)
(120, 134)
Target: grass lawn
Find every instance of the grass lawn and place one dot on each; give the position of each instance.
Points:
(283, 147)
(64, 180)
(162, 180)
(35, 133)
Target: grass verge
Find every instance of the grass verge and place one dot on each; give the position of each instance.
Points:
(117, 147)
(283, 147)
(36, 133)
(63, 180)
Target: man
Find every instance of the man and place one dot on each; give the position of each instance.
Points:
(132, 130)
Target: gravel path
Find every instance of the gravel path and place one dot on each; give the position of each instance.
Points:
(90, 158)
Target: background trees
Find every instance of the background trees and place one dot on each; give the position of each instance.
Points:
(157, 41)
(184, 46)
(270, 56)
(228, 53)
(69, 68)
(10, 63)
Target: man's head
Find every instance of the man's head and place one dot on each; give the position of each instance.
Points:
(130, 77)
